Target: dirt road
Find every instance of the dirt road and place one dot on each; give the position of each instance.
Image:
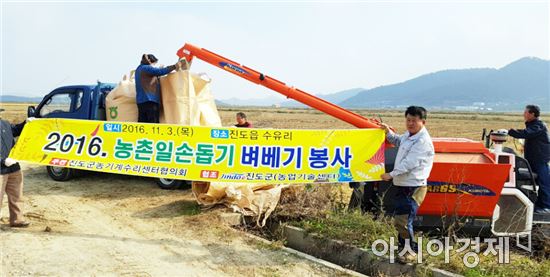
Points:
(103, 224)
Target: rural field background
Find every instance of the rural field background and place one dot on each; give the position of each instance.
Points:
(124, 225)
(440, 124)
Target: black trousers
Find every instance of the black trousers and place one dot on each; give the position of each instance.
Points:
(148, 112)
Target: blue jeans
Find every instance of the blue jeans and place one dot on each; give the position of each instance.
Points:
(405, 212)
(543, 179)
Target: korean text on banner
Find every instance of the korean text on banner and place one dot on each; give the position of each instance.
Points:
(205, 153)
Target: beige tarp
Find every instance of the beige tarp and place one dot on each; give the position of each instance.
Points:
(187, 100)
(120, 103)
(257, 200)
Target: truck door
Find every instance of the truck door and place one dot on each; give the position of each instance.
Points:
(66, 103)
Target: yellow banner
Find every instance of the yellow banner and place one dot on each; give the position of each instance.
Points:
(204, 153)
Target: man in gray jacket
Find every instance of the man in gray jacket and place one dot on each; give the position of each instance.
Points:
(11, 177)
(412, 167)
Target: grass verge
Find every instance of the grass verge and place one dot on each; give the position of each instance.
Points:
(319, 209)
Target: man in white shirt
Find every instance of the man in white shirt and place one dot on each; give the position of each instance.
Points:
(412, 167)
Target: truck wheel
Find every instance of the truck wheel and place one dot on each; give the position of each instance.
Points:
(169, 183)
(60, 174)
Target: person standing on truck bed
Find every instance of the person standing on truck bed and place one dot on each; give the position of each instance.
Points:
(413, 164)
(537, 153)
(148, 87)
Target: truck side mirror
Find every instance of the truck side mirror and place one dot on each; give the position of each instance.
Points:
(31, 110)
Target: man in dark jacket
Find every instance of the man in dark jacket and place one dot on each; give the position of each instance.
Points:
(10, 174)
(537, 153)
(148, 87)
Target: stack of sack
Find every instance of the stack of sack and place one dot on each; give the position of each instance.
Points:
(186, 99)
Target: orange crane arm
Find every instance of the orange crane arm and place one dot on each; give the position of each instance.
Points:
(189, 51)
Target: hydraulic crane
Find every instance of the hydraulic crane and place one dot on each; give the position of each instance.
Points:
(190, 51)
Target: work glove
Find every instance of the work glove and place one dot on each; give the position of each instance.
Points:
(184, 64)
(9, 162)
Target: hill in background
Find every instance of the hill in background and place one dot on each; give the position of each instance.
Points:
(511, 87)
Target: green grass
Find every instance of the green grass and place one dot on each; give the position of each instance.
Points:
(362, 230)
(523, 266)
(352, 227)
(190, 208)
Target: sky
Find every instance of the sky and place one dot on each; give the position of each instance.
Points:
(319, 47)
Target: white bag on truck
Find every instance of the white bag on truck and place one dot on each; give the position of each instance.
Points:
(206, 103)
(178, 99)
(120, 103)
(187, 100)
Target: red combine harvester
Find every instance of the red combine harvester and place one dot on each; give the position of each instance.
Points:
(482, 190)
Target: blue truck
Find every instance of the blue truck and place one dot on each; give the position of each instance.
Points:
(81, 102)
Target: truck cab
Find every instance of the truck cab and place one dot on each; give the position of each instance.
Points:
(75, 102)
